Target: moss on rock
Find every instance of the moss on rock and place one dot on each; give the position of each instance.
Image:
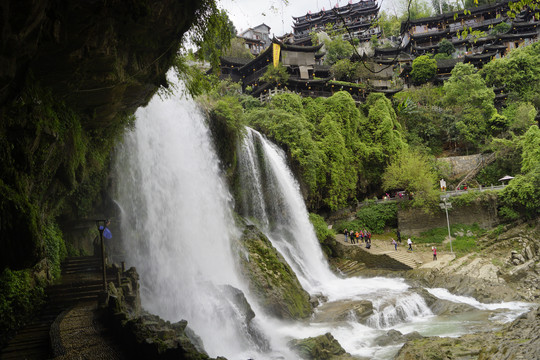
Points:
(323, 347)
(271, 278)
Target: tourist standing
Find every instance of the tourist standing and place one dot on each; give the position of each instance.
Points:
(409, 242)
(351, 235)
(434, 252)
(394, 243)
(398, 234)
(346, 233)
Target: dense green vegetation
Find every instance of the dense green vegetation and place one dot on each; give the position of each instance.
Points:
(21, 296)
(372, 217)
(344, 153)
(337, 149)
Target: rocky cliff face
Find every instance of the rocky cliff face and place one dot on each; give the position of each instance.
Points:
(71, 72)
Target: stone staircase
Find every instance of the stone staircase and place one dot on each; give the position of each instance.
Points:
(404, 257)
(379, 253)
(80, 282)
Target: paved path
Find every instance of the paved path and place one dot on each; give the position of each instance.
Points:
(69, 326)
(419, 258)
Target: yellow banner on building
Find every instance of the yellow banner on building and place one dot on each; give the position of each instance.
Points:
(276, 49)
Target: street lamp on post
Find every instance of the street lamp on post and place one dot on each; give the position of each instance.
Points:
(102, 225)
(446, 205)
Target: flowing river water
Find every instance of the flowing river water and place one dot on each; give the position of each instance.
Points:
(178, 229)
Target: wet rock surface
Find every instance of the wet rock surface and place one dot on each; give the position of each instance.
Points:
(343, 310)
(270, 277)
(323, 347)
(517, 340)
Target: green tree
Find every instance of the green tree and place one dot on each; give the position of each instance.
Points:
(215, 38)
(521, 116)
(337, 49)
(238, 49)
(411, 171)
(531, 150)
(414, 9)
(518, 73)
(276, 74)
(344, 70)
(501, 28)
(390, 24)
(424, 69)
(446, 47)
(471, 101)
(521, 198)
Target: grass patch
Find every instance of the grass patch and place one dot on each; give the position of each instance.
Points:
(463, 245)
(464, 237)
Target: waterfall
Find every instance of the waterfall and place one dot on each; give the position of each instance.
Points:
(177, 223)
(177, 229)
(271, 196)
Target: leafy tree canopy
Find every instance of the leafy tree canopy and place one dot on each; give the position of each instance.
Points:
(424, 69)
(517, 73)
(337, 49)
(411, 171)
(238, 49)
(471, 100)
(446, 47)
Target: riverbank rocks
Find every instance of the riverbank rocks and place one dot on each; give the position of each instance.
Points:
(147, 336)
(339, 311)
(270, 278)
(443, 307)
(394, 337)
(323, 347)
(517, 340)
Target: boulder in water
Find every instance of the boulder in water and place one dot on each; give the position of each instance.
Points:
(271, 279)
(344, 310)
(323, 347)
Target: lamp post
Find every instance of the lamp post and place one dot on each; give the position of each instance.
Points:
(446, 205)
(101, 225)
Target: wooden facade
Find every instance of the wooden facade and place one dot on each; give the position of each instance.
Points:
(356, 19)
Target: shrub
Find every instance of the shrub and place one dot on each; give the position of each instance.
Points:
(20, 297)
(321, 227)
(424, 69)
(372, 217)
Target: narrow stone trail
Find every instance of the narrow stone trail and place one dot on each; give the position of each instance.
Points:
(68, 327)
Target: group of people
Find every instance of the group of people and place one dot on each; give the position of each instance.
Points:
(356, 237)
(364, 236)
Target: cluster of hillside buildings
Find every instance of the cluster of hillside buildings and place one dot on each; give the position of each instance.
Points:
(390, 65)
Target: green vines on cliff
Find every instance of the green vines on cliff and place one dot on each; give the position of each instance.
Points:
(482, 197)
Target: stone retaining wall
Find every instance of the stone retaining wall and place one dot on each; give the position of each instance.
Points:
(461, 165)
(415, 221)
